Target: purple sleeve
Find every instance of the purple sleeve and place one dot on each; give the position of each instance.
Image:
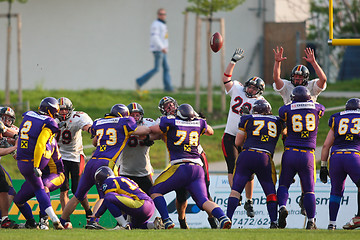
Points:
(243, 120)
(164, 123)
(321, 109)
(282, 113)
(131, 124)
(331, 121)
(52, 125)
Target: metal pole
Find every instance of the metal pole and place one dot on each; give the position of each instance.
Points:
(184, 50)
(19, 44)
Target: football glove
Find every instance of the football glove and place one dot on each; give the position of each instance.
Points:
(245, 110)
(3, 128)
(37, 172)
(62, 124)
(323, 174)
(147, 141)
(238, 55)
(4, 143)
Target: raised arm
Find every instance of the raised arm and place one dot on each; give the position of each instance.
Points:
(278, 57)
(238, 55)
(310, 57)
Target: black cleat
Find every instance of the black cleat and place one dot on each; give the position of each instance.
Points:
(331, 227)
(311, 225)
(249, 207)
(213, 222)
(31, 224)
(274, 225)
(183, 224)
(283, 213)
(8, 223)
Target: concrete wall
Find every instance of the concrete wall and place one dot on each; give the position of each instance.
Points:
(76, 44)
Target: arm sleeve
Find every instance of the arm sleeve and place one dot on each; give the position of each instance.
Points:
(40, 146)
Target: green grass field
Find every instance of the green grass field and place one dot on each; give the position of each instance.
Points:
(179, 234)
(99, 101)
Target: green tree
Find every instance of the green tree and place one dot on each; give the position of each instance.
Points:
(208, 7)
(346, 18)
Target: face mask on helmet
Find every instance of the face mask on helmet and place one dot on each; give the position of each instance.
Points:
(49, 106)
(103, 173)
(136, 108)
(300, 94)
(254, 87)
(66, 108)
(119, 110)
(353, 104)
(262, 106)
(168, 106)
(185, 112)
(300, 70)
(7, 116)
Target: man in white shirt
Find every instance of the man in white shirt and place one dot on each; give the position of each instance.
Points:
(159, 45)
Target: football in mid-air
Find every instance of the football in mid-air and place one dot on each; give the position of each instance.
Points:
(216, 42)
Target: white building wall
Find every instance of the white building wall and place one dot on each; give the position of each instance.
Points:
(77, 44)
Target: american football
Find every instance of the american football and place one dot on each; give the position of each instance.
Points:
(216, 42)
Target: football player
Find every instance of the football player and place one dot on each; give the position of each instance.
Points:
(123, 196)
(71, 124)
(182, 134)
(168, 107)
(258, 135)
(111, 135)
(344, 140)
(7, 191)
(302, 120)
(299, 77)
(52, 170)
(35, 131)
(242, 99)
(134, 161)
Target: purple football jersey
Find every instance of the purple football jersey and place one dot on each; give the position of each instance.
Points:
(124, 185)
(112, 135)
(346, 126)
(29, 131)
(182, 137)
(302, 120)
(262, 131)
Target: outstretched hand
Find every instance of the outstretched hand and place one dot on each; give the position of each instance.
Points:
(310, 55)
(278, 54)
(238, 55)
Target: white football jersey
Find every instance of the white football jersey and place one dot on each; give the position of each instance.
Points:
(70, 138)
(135, 159)
(238, 99)
(288, 87)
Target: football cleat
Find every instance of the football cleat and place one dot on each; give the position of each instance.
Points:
(31, 224)
(331, 227)
(225, 222)
(44, 223)
(92, 225)
(58, 226)
(354, 223)
(301, 205)
(7, 223)
(249, 207)
(283, 213)
(158, 223)
(68, 225)
(274, 225)
(213, 222)
(168, 223)
(183, 224)
(311, 225)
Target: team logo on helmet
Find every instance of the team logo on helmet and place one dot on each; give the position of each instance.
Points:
(49, 106)
(119, 110)
(103, 173)
(186, 112)
(8, 116)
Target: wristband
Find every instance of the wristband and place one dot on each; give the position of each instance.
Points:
(323, 163)
(227, 82)
(226, 75)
